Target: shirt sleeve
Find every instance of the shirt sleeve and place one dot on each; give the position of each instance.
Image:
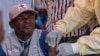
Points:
(77, 16)
(90, 44)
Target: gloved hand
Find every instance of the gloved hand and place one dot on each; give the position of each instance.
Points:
(66, 49)
(54, 37)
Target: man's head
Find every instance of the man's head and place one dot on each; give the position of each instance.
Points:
(22, 19)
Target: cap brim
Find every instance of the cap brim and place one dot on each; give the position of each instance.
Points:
(33, 11)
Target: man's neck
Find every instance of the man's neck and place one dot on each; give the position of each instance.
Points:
(23, 37)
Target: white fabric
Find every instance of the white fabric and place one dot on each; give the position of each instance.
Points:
(65, 49)
(75, 48)
(12, 47)
(54, 37)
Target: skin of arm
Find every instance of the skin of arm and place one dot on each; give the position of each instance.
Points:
(52, 51)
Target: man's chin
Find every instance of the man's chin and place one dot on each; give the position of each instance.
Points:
(28, 32)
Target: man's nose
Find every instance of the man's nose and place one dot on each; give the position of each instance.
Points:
(26, 20)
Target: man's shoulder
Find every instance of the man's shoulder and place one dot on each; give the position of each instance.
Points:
(8, 37)
(10, 34)
(41, 30)
(44, 32)
(43, 45)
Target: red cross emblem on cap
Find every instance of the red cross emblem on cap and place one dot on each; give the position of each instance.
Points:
(22, 6)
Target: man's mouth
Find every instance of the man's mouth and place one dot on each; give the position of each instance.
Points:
(28, 26)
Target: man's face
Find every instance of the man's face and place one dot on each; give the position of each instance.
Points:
(24, 23)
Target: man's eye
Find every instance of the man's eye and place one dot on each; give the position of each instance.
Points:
(30, 15)
(19, 18)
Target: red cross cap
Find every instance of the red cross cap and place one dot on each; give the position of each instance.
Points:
(22, 6)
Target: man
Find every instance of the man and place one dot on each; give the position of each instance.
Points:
(78, 15)
(25, 40)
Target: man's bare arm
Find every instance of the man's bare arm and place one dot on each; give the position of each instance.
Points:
(52, 51)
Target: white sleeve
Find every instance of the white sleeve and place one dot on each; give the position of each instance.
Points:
(65, 49)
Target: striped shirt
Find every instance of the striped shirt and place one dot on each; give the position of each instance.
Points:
(56, 11)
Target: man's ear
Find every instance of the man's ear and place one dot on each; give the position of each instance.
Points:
(11, 24)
